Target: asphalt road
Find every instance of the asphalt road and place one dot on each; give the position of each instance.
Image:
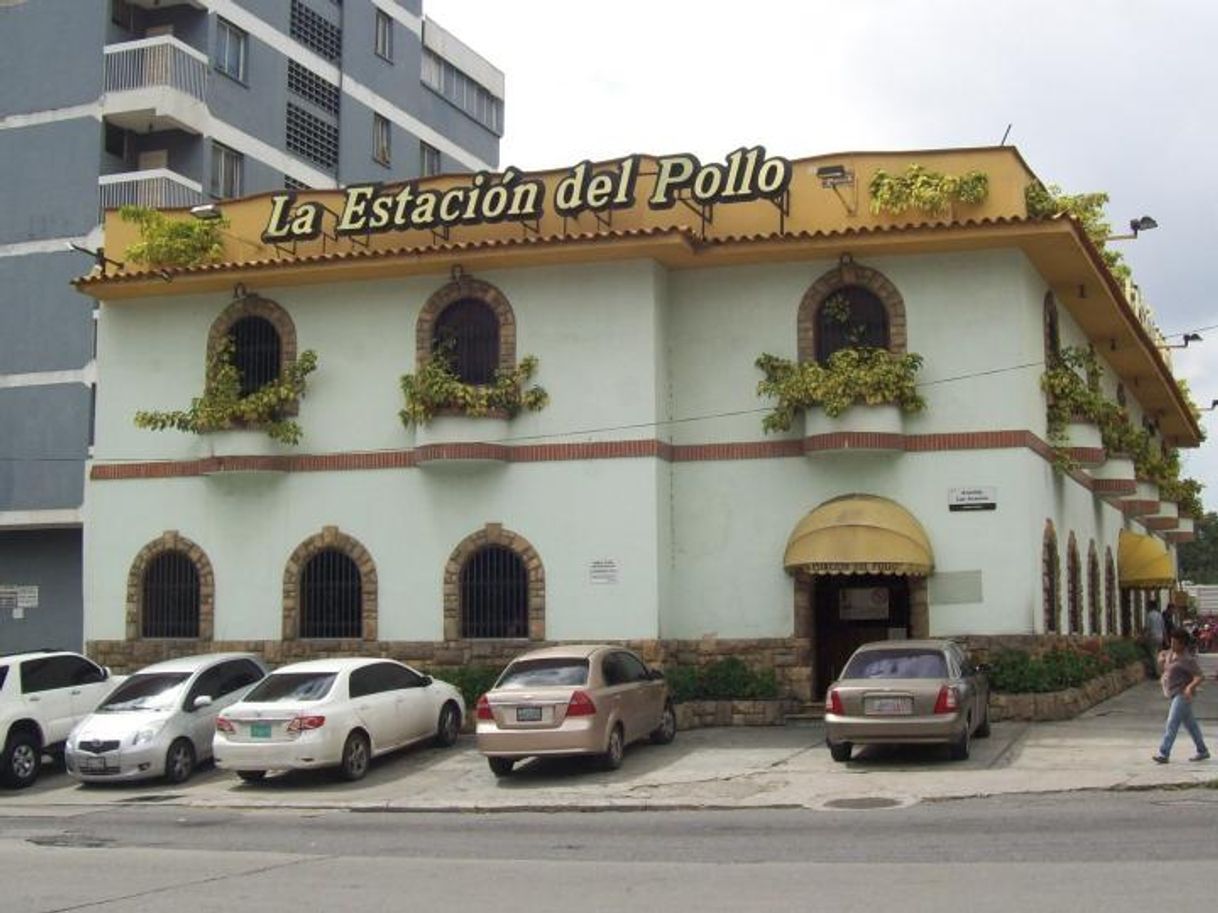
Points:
(1079, 851)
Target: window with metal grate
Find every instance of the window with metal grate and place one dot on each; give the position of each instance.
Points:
(314, 31)
(494, 594)
(256, 352)
(331, 596)
(851, 317)
(467, 332)
(312, 137)
(171, 597)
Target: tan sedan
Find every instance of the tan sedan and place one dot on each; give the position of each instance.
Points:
(907, 692)
(573, 700)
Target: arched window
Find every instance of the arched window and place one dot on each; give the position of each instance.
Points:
(171, 596)
(1110, 592)
(256, 352)
(494, 594)
(1094, 619)
(467, 334)
(331, 596)
(1053, 339)
(851, 317)
(1051, 579)
(1074, 594)
(1126, 613)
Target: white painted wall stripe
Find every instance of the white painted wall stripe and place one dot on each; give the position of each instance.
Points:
(401, 14)
(277, 159)
(54, 115)
(86, 376)
(52, 245)
(41, 519)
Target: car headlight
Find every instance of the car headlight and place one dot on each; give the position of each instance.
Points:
(147, 734)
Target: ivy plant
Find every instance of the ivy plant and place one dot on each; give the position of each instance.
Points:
(1045, 202)
(222, 406)
(930, 192)
(435, 388)
(166, 242)
(853, 375)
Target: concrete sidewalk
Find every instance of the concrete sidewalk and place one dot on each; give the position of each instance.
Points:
(1108, 747)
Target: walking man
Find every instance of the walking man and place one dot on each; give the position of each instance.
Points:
(1181, 678)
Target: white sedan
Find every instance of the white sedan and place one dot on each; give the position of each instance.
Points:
(334, 713)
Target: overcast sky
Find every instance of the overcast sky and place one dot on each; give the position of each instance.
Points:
(1110, 95)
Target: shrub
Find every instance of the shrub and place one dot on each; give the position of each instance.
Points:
(727, 679)
(1016, 672)
(471, 681)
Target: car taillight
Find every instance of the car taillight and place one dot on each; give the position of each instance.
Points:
(224, 725)
(948, 700)
(484, 709)
(580, 705)
(305, 723)
(835, 703)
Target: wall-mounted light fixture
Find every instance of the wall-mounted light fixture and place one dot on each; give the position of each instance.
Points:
(834, 177)
(1188, 337)
(1213, 405)
(99, 255)
(1146, 223)
(207, 212)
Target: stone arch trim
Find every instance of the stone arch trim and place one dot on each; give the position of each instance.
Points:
(844, 274)
(494, 534)
(1051, 582)
(255, 306)
(330, 537)
(461, 288)
(1094, 615)
(170, 541)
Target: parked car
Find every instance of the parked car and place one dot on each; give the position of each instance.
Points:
(575, 700)
(335, 713)
(42, 696)
(907, 692)
(160, 721)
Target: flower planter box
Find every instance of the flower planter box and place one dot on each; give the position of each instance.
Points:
(1065, 705)
(1084, 442)
(866, 428)
(1144, 501)
(243, 451)
(462, 440)
(1167, 517)
(1116, 477)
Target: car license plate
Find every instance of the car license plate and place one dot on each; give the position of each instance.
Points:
(260, 730)
(92, 765)
(888, 706)
(528, 714)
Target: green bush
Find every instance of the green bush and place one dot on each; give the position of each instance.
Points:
(1015, 672)
(724, 680)
(471, 681)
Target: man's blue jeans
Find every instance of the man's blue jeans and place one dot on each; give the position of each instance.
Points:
(1181, 714)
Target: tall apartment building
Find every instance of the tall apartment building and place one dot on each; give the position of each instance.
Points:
(176, 103)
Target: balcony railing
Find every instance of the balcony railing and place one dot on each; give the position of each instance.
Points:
(160, 61)
(156, 188)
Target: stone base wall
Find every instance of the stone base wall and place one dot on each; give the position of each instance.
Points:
(701, 714)
(982, 646)
(1065, 705)
(780, 654)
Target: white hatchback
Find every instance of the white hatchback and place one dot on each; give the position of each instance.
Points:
(334, 713)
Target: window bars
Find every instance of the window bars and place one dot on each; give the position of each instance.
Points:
(331, 596)
(467, 333)
(256, 353)
(170, 597)
(494, 594)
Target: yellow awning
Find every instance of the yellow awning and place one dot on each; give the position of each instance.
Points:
(859, 534)
(1143, 562)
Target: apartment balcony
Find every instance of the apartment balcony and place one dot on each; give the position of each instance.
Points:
(156, 188)
(156, 84)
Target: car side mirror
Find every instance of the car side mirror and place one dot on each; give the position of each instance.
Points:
(655, 674)
(203, 700)
(106, 673)
(427, 680)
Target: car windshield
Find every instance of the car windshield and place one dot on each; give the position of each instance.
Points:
(146, 691)
(907, 663)
(292, 686)
(540, 673)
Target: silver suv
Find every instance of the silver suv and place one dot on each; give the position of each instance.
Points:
(42, 696)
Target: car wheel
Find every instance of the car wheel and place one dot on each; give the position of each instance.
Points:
(667, 730)
(501, 767)
(983, 731)
(449, 726)
(22, 759)
(355, 758)
(179, 761)
(251, 776)
(963, 742)
(615, 750)
(840, 751)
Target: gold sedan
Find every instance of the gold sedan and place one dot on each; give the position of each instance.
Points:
(573, 700)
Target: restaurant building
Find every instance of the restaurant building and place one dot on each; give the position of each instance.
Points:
(624, 480)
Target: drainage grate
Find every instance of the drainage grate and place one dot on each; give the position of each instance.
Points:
(76, 841)
(153, 797)
(862, 803)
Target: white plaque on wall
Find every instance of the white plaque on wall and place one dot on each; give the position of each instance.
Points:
(603, 571)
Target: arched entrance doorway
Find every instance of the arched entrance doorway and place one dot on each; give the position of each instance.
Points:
(862, 562)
